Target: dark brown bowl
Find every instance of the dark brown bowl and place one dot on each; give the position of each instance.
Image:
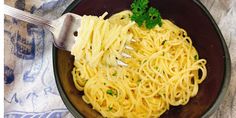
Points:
(188, 14)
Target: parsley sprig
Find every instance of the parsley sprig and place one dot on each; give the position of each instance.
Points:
(144, 14)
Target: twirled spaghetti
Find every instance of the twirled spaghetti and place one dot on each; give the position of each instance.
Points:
(163, 71)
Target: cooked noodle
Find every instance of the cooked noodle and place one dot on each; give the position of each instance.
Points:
(164, 68)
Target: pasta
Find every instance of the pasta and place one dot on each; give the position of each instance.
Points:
(164, 70)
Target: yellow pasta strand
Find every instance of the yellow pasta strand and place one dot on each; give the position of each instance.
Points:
(163, 71)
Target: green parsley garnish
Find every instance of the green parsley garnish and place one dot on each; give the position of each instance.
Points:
(154, 18)
(142, 14)
(138, 8)
(110, 92)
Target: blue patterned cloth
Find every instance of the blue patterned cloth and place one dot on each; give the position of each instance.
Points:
(30, 90)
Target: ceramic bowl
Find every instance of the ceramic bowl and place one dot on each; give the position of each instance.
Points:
(188, 14)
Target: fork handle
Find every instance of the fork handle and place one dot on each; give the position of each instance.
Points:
(25, 16)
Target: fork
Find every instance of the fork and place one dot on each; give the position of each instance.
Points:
(64, 29)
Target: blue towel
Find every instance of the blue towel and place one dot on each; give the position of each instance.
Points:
(30, 90)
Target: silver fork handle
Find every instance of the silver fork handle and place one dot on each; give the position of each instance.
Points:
(25, 16)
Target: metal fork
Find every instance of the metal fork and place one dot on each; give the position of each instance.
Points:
(64, 29)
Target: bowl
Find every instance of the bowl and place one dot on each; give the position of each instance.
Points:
(188, 14)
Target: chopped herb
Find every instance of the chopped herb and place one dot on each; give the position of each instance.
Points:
(114, 74)
(139, 81)
(144, 61)
(104, 83)
(116, 94)
(196, 57)
(86, 81)
(123, 17)
(142, 14)
(109, 108)
(163, 42)
(156, 68)
(110, 92)
(139, 61)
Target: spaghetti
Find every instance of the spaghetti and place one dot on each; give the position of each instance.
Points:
(163, 71)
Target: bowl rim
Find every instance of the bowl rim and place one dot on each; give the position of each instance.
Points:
(221, 94)
(227, 63)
